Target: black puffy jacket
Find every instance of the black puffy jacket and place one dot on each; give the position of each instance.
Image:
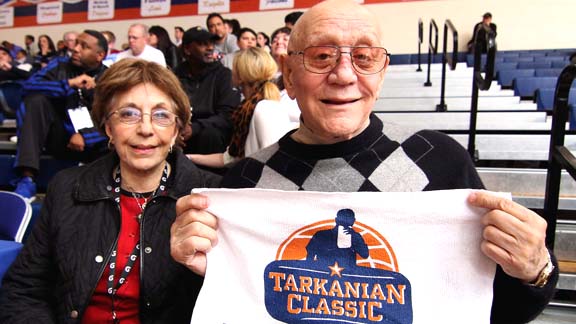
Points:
(54, 276)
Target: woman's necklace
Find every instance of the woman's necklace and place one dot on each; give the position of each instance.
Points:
(137, 197)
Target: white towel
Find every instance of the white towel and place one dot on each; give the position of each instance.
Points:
(422, 264)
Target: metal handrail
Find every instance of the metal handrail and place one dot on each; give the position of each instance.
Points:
(559, 157)
(479, 82)
(420, 41)
(432, 48)
(453, 60)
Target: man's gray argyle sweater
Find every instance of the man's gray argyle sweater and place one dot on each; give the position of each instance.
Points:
(385, 157)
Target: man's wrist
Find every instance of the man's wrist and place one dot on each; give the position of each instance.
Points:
(544, 275)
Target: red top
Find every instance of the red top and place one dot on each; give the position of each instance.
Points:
(126, 301)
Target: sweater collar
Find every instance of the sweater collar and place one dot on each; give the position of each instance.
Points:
(326, 151)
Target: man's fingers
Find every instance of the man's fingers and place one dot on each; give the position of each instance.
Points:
(485, 199)
(192, 201)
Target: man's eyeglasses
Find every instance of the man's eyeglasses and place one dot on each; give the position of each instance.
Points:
(131, 116)
(323, 59)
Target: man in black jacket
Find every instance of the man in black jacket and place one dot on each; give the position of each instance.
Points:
(482, 30)
(209, 87)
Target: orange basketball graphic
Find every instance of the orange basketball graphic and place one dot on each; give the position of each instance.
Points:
(381, 254)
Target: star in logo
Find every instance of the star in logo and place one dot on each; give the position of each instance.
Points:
(335, 270)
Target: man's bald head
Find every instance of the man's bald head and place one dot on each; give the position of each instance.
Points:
(338, 11)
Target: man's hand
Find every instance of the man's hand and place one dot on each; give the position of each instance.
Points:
(186, 133)
(82, 82)
(193, 233)
(5, 66)
(76, 143)
(514, 236)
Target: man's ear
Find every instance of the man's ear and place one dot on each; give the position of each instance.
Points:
(287, 75)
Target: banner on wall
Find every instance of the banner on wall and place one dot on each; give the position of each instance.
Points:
(149, 8)
(100, 9)
(6, 2)
(276, 4)
(49, 12)
(209, 6)
(7, 17)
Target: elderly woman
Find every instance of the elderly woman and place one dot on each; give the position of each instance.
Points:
(100, 250)
(260, 120)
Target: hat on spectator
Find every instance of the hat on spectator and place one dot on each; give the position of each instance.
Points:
(487, 15)
(197, 34)
(4, 49)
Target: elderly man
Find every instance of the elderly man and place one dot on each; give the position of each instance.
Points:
(69, 39)
(55, 115)
(139, 48)
(334, 69)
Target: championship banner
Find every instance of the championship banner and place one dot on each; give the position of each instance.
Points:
(368, 257)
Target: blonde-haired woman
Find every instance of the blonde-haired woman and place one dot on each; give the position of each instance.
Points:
(260, 120)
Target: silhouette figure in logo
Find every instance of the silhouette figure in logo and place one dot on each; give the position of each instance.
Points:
(339, 244)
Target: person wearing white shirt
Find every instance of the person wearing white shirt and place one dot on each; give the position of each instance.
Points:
(139, 48)
(261, 119)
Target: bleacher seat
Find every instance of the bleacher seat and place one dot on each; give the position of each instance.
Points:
(519, 59)
(16, 215)
(547, 72)
(545, 98)
(400, 58)
(506, 77)
(560, 64)
(534, 65)
(504, 66)
(525, 87)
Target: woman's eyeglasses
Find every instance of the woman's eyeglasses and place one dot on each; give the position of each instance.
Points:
(130, 116)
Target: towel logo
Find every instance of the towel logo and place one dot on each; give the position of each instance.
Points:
(337, 270)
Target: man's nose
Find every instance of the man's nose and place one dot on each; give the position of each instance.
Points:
(344, 70)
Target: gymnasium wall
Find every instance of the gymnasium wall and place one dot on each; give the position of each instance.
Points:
(522, 24)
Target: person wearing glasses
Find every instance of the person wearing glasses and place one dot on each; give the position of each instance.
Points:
(334, 69)
(100, 250)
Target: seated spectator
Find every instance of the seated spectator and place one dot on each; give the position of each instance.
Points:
(112, 54)
(102, 224)
(160, 39)
(69, 39)
(10, 69)
(260, 120)
(46, 52)
(56, 106)
(31, 46)
(225, 43)
(291, 18)
(13, 48)
(233, 27)
(11, 75)
(178, 33)
(111, 38)
(208, 85)
(263, 41)
(246, 39)
(22, 58)
(138, 46)
(278, 49)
